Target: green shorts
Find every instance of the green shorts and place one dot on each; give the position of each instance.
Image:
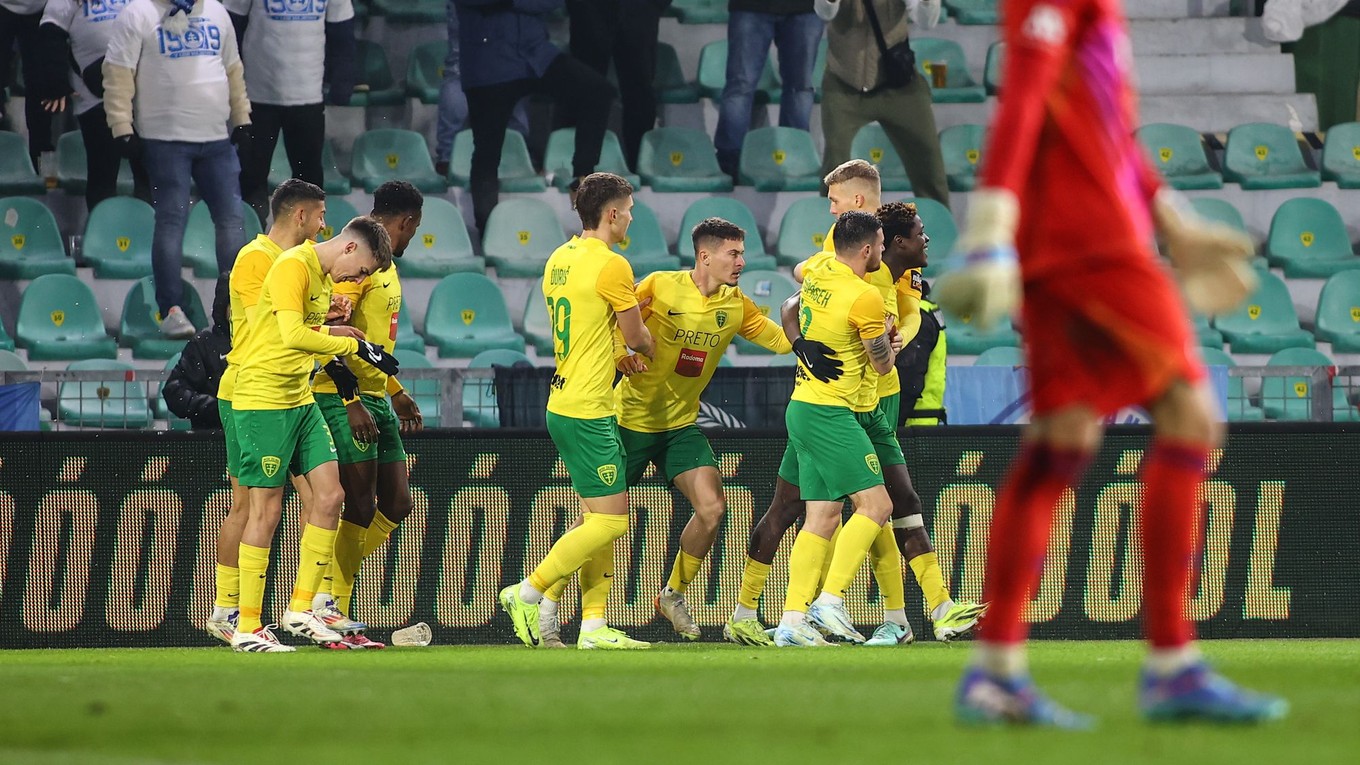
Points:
(276, 442)
(674, 451)
(891, 407)
(349, 451)
(880, 432)
(839, 451)
(229, 432)
(592, 451)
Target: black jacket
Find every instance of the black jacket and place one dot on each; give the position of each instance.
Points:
(191, 390)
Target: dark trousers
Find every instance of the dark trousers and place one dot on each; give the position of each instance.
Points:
(580, 91)
(304, 135)
(102, 160)
(624, 32)
(24, 30)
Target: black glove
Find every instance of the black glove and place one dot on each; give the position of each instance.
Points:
(130, 146)
(373, 355)
(93, 77)
(819, 359)
(346, 383)
(240, 134)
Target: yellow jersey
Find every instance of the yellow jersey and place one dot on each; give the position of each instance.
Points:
(247, 278)
(377, 300)
(691, 333)
(585, 284)
(285, 331)
(841, 310)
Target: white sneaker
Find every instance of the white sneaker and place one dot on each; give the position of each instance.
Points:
(336, 619)
(307, 624)
(834, 620)
(549, 630)
(672, 605)
(176, 325)
(801, 634)
(223, 629)
(259, 641)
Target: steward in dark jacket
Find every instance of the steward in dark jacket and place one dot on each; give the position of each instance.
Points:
(191, 391)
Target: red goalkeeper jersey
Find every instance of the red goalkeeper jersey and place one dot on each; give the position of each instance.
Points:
(1063, 136)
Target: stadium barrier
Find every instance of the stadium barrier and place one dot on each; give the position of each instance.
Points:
(107, 539)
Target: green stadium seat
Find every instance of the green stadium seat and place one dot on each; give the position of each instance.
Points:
(941, 229)
(1309, 240)
(1264, 156)
(974, 11)
(200, 238)
(59, 320)
(72, 171)
(1178, 152)
(1266, 322)
(967, 340)
(333, 181)
(467, 315)
(118, 238)
(425, 71)
(672, 87)
(561, 148)
(960, 87)
(113, 402)
(1240, 407)
(992, 70)
(1341, 155)
(11, 361)
(645, 246)
(516, 173)
(819, 70)
(1219, 210)
(1208, 336)
(802, 233)
(680, 159)
(780, 159)
(1338, 312)
(728, 209)
(140, 325)
(17, 175)
(441, 245)
(1002, 356)
(537, 327)
(412, 11)
(1290, 397)
(962, 147)
(871, 143)
(424, 391)
(391, 154)
(338, 213)
(713, 75)
(700, 11)
(520, 235)
(479, 395)
(376, 85)
(768, 290)
(6, 342)
(30, 242)
(407, 337)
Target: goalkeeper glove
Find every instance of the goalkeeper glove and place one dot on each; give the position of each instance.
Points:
(819, 359)
(373, 355)
(1211, 258)
(987, 286)
(346, 383)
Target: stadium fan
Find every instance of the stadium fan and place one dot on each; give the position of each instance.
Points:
(191, 390)
(453, 108)
(19, 21)
(1092, 282)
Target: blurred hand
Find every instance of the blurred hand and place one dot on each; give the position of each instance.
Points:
(1212, 260)
(341, 309)
(987, 286)
(341, 330)
(407, 412)
(361, 422)
(632, 364)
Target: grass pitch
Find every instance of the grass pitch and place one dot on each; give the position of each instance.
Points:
(706, 703)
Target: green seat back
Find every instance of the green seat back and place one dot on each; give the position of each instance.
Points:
(961, 146)
(333, 181)
(516, 167)
(139, 327)
(442, 234)
(768, 290)
(645, 238)
(1219, 210)
(425, 70)
(388, 154)
(1289, 397)
(561, 148)
(1308, 229)
(17, 175)
(537, 328)
(1341, 155)
(118, 237)
(678, 152)
(59, 308)
(974, 11)
(112, 402)
(780, 159)
(338, 213)
(375, 74)
(73, 170)
(29, 234)
(1338, 312)
(726, 208)
(1001, 356)
(521, 233)
(1268, 310)
(802, 233)
(11, 362)
(468, 307)
(200, 237)
(497, 357)
(713, 74)
(931, 49)
(407, 337)
(672, 87)
(1263, 155)
(992, 71)
(871, 143)
(1178, 152)
(424, 391)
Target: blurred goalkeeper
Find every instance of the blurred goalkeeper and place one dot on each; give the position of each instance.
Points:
(1105, 328)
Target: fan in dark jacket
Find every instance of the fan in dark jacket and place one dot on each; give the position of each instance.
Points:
(191, 390)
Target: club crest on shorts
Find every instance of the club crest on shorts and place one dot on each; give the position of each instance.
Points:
(721, 318)
(360, 445)
(608, 473)
(270, 465)
(872, 461)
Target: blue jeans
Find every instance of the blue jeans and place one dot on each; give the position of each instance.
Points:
(748, 44)
(169, 166)
(453, 109)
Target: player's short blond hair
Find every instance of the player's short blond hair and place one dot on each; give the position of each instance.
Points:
(854, 170)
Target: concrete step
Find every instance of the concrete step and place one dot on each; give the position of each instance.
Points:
(1178, 9)
(1220, 73)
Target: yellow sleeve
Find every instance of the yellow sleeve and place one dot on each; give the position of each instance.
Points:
(301, 337)
(615, 284)
(288, 283)
(908, 315)
(866, 315)
(644, 290)
(352, 290)
(393, 385)
(247, 279)
(761, 330)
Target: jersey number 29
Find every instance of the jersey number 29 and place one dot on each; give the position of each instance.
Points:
(559, 312)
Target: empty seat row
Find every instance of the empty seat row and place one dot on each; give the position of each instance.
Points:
(1257, 155)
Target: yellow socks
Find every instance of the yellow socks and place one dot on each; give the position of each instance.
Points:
(826, 562)
(753, 582)
(805, 566)
(254, 564)
(574, 547)
(317, 551)
(596, 575)
(926, 567)
(349, 549)
(378, 531)
(683, 572)
(848, 555)
(228, 586)
(887, 562)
